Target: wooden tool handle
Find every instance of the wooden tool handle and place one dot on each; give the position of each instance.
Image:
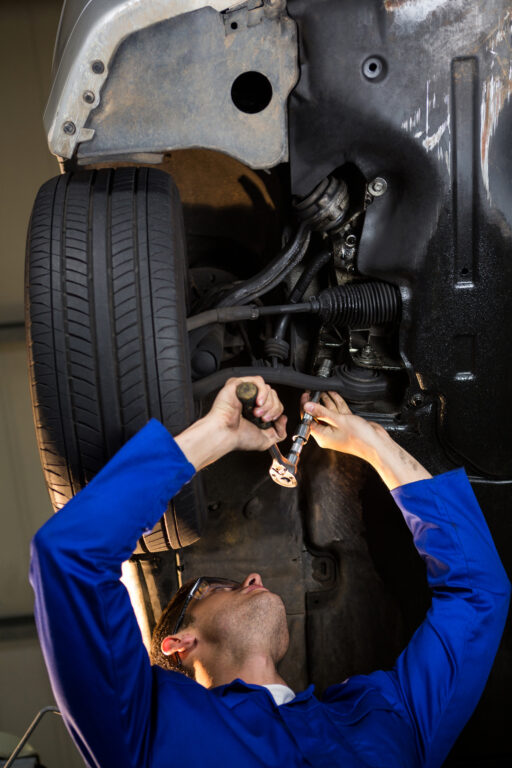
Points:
(247, 393)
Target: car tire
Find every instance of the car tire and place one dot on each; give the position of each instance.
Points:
(106, 331)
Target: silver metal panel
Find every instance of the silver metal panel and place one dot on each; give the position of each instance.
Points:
(98, 28)
(170, 87)
(71, 10)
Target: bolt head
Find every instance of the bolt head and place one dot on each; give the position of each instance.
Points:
(214, 509)
(98, 67)
(377, 187)
(69, 127)
(416, 400)
(88, 97)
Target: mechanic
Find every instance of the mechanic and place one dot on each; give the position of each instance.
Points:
(123, 712)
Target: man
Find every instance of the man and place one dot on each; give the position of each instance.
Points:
(122, 712)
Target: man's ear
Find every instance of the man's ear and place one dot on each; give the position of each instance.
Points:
(178, 644)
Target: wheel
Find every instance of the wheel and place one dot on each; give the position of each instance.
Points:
(106, 310)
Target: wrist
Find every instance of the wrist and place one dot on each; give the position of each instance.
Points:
(204, 442)
(392, 462)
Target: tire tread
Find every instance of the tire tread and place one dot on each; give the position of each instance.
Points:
(105, 328)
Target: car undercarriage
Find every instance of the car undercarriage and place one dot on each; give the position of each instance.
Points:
(284, 189)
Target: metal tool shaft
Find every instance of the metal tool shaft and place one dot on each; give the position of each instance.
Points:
(303, 431)
(281, 471)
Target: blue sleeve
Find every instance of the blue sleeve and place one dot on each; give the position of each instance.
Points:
(440, 676)
(98, 666)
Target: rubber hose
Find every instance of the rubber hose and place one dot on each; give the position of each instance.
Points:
(273, 273)
(234, 314)
(300, 288)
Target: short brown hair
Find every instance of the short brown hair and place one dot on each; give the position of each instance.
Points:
(165, 627)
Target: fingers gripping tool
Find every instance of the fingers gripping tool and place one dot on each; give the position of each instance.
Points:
(283, 469)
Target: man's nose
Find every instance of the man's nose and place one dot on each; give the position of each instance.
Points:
(252, 578)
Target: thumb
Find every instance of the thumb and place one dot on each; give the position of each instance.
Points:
(321, 413)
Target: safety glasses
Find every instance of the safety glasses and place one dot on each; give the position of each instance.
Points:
(202, 587)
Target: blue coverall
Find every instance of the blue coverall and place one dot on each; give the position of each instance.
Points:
(123, 713)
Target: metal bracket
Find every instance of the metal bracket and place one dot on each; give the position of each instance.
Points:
(33, 725)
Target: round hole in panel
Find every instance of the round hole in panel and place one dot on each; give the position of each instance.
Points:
(251, 92)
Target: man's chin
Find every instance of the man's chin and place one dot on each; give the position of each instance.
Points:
(272, 601)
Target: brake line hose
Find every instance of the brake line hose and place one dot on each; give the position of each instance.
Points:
(301, 286)
(234, 314)
(273, 274)
(276, 347)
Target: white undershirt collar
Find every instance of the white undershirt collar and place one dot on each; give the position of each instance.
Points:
(280, 693)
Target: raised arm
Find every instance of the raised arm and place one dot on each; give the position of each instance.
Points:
(439, 678)
(98, 666)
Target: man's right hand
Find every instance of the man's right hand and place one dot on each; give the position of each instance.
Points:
(223, 429)
(337, 428)
(226, 415)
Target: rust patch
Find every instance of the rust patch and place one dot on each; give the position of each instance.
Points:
(392, 5)
(413, 11)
